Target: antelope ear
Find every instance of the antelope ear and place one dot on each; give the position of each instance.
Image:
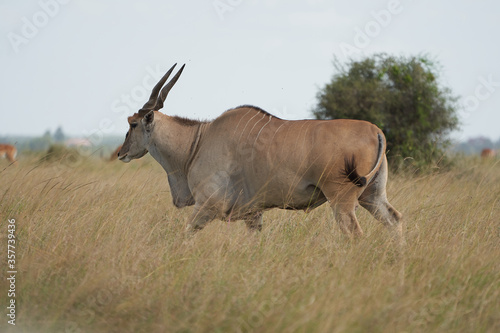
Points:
(147, 120)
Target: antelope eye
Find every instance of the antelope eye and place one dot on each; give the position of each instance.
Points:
(133, 125)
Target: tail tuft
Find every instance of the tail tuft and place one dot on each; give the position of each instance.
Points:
(351, 173)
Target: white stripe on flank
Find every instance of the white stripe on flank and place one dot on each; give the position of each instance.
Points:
(243, 131)
(256, 124)
(236, 128)
(270, 118)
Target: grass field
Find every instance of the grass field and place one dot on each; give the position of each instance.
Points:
(101, 248)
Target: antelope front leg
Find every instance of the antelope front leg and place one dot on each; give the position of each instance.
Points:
(199, 219)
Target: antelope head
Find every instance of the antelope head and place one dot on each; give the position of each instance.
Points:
(142, 123)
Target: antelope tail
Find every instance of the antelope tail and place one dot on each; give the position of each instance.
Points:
(350, 166)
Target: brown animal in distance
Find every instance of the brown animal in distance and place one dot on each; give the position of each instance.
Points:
(247, 161)
(114, 155)
(487, 153)
(8, 151)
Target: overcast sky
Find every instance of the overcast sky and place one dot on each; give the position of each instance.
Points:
(86, 64)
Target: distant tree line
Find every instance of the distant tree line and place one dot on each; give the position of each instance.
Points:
(48, 139)
(41, 143)
(474, 146)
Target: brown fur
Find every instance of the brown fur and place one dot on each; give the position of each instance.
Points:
(253, 107)
(187, 122)
(114, 155)
(261, 162)
(487, 153)
(9, 152)
(247, 161)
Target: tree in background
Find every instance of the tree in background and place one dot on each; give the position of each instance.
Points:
(402, 96)
(59, 135)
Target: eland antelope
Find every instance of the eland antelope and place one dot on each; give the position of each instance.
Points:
(8, 151)
(247, 161)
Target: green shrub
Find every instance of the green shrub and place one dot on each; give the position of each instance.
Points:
(402, 96)
(62, 154)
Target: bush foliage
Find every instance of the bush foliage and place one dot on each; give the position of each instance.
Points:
(62, 154)
(401, 95)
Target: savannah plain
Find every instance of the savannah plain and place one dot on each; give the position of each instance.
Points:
(101, 248)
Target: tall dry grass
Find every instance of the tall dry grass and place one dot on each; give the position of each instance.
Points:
(102, 249)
